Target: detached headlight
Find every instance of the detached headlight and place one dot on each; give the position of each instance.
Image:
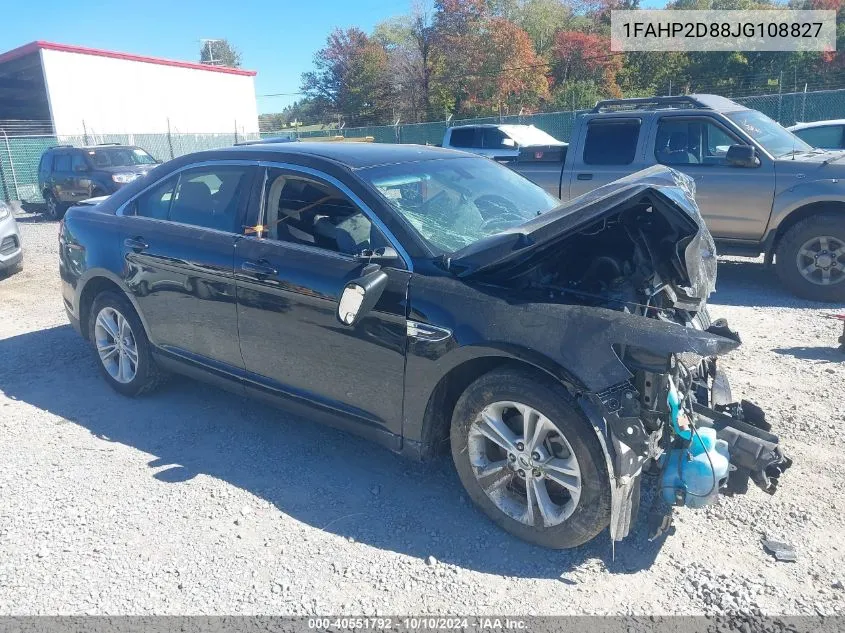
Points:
(122, 179)
(5, 211)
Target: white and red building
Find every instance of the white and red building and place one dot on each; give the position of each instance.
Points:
(76, 90)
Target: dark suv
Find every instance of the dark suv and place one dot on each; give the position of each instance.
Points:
(69, 174)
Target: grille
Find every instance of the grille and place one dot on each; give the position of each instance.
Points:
(8, 245)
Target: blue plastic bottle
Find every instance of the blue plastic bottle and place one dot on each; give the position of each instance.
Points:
(693, 475)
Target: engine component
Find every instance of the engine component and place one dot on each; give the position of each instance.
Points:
(692, 476)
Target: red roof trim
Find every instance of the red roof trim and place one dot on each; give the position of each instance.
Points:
(33, 47)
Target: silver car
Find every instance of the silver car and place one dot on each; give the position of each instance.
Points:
(11, 251)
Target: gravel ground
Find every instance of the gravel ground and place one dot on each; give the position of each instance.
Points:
(192, 501)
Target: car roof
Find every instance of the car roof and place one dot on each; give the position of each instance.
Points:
(496, 125)
(351, 154)
(804, 126)
(91, 147)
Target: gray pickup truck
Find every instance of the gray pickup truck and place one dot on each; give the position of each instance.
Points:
(760, 188)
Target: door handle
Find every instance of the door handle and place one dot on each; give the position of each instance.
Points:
(137, 244)
(260, 268)
(584, 176)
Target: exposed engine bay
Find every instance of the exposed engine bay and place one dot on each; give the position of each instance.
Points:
(648, 254)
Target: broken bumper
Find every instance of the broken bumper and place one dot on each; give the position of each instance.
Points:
(635, 440)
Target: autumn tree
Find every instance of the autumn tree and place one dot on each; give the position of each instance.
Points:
(511, 77)
(578, 56)
(457, 42)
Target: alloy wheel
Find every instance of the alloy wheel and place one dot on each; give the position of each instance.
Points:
(821, 260)
(116, 345)
(524, 464)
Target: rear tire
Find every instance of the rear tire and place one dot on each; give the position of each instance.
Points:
(564, 467)
(811, 258)
(124, 354)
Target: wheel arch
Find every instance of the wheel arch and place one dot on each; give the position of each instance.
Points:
(96, 282)
(802, 213)
(442, 400)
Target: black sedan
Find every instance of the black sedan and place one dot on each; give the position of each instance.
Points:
(424, 297)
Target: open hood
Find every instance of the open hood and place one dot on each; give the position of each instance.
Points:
(679, 246)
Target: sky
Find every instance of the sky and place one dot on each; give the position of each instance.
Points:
(277, 38)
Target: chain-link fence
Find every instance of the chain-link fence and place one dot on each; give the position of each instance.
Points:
(20, 152)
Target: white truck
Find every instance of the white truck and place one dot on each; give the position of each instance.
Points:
(503, 142)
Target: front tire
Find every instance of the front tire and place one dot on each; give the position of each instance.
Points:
(123, 350)
(530, 460)
(811, 258)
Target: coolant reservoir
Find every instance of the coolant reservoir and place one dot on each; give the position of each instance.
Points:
(692, 476)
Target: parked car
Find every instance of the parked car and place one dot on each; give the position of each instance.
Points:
(67, 175)
(760, 188)
(823, 134)
(11, 249)
(504, 142)
(420, 296)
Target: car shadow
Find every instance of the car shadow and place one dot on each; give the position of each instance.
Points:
(751, 283)
(330, 480)
(825, 354)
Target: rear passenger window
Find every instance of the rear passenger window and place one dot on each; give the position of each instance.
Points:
(464, 137)
(611, 142)
(209, 197)
(155, 203)
(826, 137)
(492, 138)
(61, 162)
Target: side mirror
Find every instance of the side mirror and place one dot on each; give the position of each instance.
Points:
(360, 295)
(508, 142)
(742, 156)
(385, 254)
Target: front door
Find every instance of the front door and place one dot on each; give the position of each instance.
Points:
(290, 275)
(178, 243)
(735, 201)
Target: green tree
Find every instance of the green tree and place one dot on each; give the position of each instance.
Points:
(220, 53)
(350, 78)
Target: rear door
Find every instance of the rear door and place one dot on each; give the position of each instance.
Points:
(178, 243)
(610, 150)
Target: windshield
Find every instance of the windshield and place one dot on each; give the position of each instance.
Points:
(775, 139)
(455, 202)
(120, 157)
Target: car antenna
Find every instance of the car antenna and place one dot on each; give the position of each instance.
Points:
(794, 137)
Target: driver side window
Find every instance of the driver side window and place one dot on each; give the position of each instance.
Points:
(691, 142)
(307, 211)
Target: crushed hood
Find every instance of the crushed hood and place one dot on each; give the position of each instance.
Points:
(659, 185)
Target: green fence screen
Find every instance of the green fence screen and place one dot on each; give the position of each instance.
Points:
(19, 155)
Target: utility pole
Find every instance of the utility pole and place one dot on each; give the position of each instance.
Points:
(208, 45)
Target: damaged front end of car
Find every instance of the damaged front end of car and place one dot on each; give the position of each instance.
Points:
(634, 263)
(675, 421)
